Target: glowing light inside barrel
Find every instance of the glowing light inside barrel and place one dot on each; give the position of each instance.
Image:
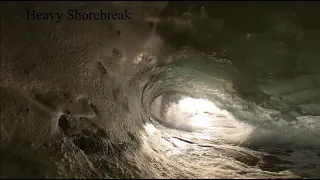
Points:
(201, 110)
(201, 121)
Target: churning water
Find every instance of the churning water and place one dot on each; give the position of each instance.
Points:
(205, 97)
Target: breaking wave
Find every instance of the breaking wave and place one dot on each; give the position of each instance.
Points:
(253, 130)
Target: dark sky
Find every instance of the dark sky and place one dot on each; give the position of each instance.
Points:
(252, 16)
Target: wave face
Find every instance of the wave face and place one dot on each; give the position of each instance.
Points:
(208, 95)
(257, 137)
(261, 120)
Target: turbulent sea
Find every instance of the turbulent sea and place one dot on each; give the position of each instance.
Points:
(198, 90)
